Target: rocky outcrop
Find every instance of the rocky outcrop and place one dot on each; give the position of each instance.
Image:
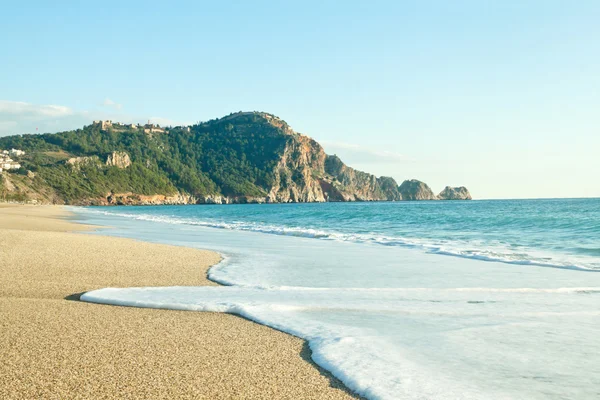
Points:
(77, 162)
(119, 159)
(306, 174)
(455, 193)
(416, 190)
(140, 199)
(353, 185)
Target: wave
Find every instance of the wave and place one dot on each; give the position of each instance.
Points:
(370, 355)
(425, 290)
(467, 250)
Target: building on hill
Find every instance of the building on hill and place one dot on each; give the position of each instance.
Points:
(104, 125)
(153, 128)
(16, 152)
(7, 163)
(117, 126)
(10, 165)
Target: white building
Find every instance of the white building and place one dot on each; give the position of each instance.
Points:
(9, 165)
(16, 152)
(104, 125)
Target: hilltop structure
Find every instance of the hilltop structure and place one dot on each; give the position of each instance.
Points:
(153, 128)
(119, 126)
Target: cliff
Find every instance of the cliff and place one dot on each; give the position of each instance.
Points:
(246, 157)
(306, 174)
(299, 172)
(349, 184)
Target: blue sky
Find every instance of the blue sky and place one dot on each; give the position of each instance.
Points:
(500, 96)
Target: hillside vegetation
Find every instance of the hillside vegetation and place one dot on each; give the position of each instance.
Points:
(244, 157)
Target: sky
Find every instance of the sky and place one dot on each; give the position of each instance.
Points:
(500, 96)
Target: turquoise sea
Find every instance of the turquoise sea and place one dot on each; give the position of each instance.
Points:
(415, 300)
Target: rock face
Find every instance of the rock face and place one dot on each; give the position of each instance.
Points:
(306, 174)
(455, 193)
(416, 190)
(130, 198)
(77, 162)
(349, 184)
(119, 159)
(298, 171)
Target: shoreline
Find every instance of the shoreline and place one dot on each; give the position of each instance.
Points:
(60, 348)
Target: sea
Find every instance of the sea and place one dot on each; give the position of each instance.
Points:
(489, 299)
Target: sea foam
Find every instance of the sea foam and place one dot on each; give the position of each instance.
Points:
(368, 358)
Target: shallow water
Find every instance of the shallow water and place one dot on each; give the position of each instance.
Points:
(407, 319)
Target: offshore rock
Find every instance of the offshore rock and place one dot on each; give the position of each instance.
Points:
(416, 190)
(389, 188)
(455, 193)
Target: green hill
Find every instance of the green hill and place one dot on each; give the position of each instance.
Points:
(244, 157)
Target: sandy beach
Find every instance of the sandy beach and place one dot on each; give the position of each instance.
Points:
(55, 347)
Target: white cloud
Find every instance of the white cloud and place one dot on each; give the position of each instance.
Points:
(112, 104)
(20, 108)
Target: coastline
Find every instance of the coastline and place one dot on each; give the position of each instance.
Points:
(55, 348)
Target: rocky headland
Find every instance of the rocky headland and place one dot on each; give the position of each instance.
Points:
(246, 157)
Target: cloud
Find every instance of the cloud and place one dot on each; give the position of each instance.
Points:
(112, 104)
(20, 108)
(21, 117)
(363, 154)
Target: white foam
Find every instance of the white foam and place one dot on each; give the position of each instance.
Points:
(366, 358)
